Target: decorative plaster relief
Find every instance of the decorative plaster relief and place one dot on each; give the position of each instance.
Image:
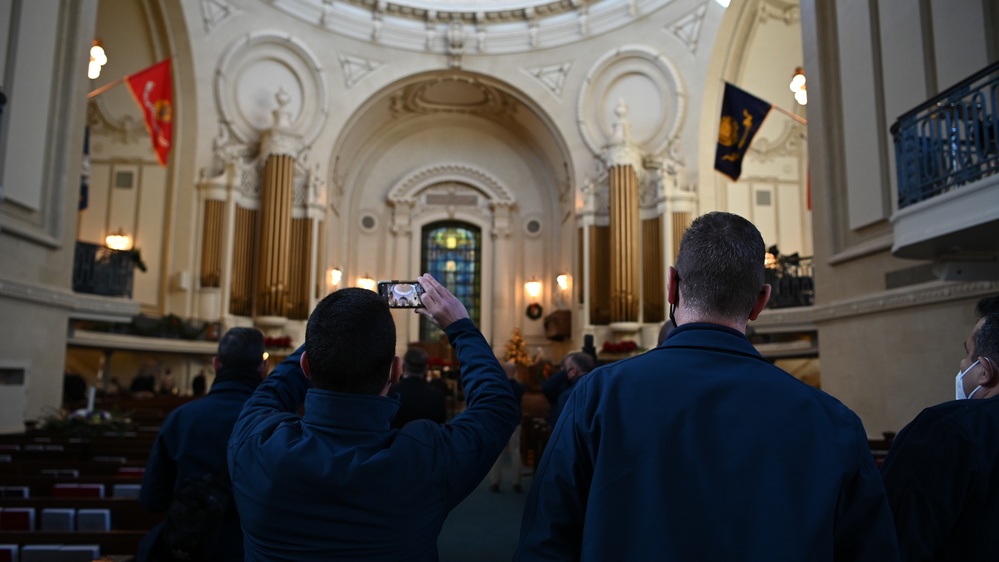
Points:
(126, 130)
(214, 12)
(252, 71)
(649, 85)
(787, 144)
(407, 190)
(356, 68)
(552, 76)
(501, 27)
(454, 94)
(688, 28)
(787, 12)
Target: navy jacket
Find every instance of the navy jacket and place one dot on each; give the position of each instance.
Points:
(702, 450)
(418, 401)
(190, 444)
(341, 484)
(942, 478)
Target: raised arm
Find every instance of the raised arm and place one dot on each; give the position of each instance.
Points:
(276, 400)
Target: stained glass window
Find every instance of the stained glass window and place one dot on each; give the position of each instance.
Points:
(452, 253)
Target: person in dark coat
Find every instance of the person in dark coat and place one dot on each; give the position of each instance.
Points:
(418, 400)
(191, 447)
(512, 449)
(341, 483)
(701, 449)
(942, 471)
(574, 365)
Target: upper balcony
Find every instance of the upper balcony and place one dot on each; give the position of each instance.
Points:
(947, 158)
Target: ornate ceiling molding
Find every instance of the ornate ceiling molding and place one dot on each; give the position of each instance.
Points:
(408, 190)
(356, 68)
(215, 12)
(499, 27)
(787, 12)
(787, 144)
(478, 99)
(551, 76)
(688, 28)
(126, 130)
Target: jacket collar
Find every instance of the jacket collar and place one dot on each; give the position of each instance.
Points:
(710, 335)
(231, 387)
(366, 412)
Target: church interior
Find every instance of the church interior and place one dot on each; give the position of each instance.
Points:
(542, 158)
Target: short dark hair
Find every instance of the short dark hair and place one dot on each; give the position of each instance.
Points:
(241, 347)
(986, 306)
(987, 338)
(415, 361)
(720, 265)
(350, 342)
(580, 360)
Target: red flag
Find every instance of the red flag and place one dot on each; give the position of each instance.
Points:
(152, 90)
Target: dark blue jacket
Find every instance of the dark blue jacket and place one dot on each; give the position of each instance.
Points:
(341, 484)
(942, 478)
(418, 400)
(190, 444)
(702, 450)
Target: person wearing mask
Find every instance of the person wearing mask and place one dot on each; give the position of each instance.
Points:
(942, 471)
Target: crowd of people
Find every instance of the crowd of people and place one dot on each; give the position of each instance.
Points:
(699, 449)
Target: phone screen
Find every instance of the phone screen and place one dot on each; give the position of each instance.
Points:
(401, 294)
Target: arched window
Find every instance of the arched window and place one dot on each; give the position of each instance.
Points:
(452, 253)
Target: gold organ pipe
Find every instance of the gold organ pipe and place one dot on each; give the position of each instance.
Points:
(211, 244)
(275, 236)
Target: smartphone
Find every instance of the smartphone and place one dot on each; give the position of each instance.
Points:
(401, 294)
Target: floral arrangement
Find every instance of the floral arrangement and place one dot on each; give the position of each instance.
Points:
(623, 346)
(87, 423)
(277, 341)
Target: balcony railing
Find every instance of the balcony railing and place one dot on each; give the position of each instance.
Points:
(99, 270)
(791, 280)
(950, 140)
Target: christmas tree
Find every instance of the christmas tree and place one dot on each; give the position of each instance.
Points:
(516, 350)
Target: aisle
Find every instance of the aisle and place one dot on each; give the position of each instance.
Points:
(485, 527)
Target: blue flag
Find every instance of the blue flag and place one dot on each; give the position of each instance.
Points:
(85, 171)
(741, 116)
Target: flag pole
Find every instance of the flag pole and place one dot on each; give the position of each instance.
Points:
(106, 87)
(797, 118)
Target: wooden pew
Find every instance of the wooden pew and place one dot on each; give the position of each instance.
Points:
(126, 513)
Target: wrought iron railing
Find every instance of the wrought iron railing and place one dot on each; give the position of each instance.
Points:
(99, 270)
(791, 282)
(950, 140)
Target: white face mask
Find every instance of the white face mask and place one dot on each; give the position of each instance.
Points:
(959, 380)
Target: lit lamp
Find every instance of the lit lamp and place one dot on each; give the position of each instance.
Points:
(118, 240)
(798, 86)
(335, 275)
(366, 282)
(533, 291)
(564, 281)
(98, 58)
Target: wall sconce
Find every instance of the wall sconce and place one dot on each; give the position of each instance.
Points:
(98, 58)
(335, 276)
(366, 282)
(564, 282)
(118, 240)
(533, 291)
(798, 86)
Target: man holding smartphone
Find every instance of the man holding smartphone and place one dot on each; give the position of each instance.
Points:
(340, 483)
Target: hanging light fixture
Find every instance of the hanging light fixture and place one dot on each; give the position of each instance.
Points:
(335, 275)
(118, 240)
(98, 58)
(798, 86)
(366, 282)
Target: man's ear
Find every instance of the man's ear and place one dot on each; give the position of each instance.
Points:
(672, 290)
(761, 302)
(304, 362)
(395, 372)
(989, 377)
(216, 364)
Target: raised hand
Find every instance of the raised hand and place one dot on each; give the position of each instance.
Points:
(440, 307)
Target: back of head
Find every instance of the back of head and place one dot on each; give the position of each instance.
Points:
(987, 338)
(415, 361)
(583, 362)
(986, 306)
(720, 266)
(350, 342)
(241, 348)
